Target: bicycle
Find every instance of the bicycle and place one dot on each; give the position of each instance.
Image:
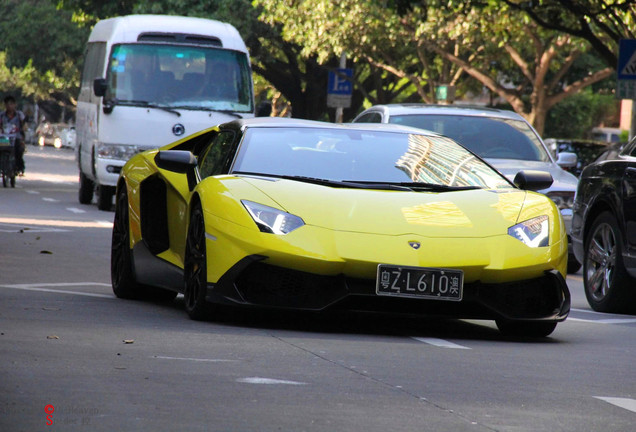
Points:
(7, 160)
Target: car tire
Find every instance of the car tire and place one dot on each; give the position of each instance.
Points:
(105, 197)
(195, 267)
(86, 189)
(608, 286)
(573, 264)
(526, 328)
(122, 272)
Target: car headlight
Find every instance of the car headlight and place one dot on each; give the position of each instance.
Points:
(118, 151)
(271, 220)
(534, 232)
(563, 200)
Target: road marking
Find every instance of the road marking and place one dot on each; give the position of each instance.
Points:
(603, 318)
(50, 200)
(257, 380)
(194, 359)
(61, 284)
(32, 192)
(605, 321)
(52, 178)
(55, 222)
(439, 343)
(628, 404)
(38, 287)
(75, 210)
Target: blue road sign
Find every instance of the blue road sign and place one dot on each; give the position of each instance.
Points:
(626, 84)
(340, 82)
(627, 59)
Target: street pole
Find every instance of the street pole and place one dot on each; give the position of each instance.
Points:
(340, 110)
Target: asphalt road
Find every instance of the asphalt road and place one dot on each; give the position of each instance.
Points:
(75, 358)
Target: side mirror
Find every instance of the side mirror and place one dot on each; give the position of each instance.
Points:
(567, 160)
(533, 180)
(99, 87)
(181, 162)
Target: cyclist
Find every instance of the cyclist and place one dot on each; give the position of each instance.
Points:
(12, 123)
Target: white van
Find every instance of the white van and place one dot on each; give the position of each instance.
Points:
(149, 80)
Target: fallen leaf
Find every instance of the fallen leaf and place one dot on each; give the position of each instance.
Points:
(52, 337)
(46, 252)
(129, 341)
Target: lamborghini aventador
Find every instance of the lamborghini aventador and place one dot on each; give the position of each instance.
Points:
(293, 214)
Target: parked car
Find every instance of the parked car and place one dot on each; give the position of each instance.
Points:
(609, 135)
(586, 151)
(502, 138)
(50, 134)
(604, 231)
(285, 213)
(56, 134)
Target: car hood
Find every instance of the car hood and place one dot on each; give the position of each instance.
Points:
(474, 213)
(563, 180)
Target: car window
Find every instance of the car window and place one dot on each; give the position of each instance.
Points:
(629, 149)
(215, 158)
(372, 117)
(488, 137)
(363, 156)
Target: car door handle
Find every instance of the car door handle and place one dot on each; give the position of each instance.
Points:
(630, 172)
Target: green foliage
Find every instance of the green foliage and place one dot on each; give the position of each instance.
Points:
(42, 49)
(577, 115)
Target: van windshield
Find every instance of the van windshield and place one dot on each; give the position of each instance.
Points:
(176, 76)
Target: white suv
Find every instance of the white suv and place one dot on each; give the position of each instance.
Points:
(503, 138)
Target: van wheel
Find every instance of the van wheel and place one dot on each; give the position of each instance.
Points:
(86, 189)
(105, 197)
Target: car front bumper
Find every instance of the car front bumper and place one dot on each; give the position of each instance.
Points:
(254, 283)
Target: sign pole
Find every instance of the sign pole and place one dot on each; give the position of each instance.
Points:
(340, 109)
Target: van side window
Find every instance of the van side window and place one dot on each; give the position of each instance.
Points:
(215, 158)
(372, 117)
(93, 67)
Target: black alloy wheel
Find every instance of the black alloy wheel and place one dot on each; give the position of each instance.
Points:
(195, 267)
(105, 197)
(573, 264)
(121, 264)
(608, 286)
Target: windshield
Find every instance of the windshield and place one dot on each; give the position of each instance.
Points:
(180, 77)
(363, 156)
(488, 137)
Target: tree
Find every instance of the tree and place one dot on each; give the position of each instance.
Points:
(600, 22)
(501, 48)
(45, 66)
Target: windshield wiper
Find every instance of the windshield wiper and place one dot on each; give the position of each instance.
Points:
(414, 185)
(332, 183)
(200, 108)
(144, 104)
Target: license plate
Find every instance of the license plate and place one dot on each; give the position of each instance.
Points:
(420, 282)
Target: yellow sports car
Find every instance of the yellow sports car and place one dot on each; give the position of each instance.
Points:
(287, 213)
